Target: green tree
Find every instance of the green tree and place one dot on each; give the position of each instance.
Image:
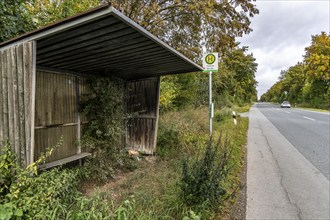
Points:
(244, 68)
(274, 93)
(14, 19)
(234, 83)
(169, 90)
(188, 26)
(48, 11)
(317, 59)
(308, 82)
(212, 22)
(293, 82)
(21, 16)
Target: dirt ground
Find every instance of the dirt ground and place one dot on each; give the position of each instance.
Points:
(89, 188)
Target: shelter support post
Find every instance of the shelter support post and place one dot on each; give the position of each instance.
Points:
(17, 99)
(157, 113)
(33, 97)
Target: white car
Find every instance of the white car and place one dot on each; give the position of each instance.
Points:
(285, 104)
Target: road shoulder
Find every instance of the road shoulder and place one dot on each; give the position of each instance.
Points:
(281, 183)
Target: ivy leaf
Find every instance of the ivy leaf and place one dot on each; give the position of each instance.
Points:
(35, 20)
(18, 212)
(6, 212)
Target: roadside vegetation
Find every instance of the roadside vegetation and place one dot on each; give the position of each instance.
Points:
(314, 109)
(189, 179)
(306, 84)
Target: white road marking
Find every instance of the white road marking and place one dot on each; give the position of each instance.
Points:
(287, 112)
(309, 118)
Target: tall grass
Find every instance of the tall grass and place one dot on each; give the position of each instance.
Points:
(156, 187)
(152, 191)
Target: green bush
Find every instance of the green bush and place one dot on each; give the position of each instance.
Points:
(170, 194)
(29, 195)
(52, 194)
(223, 114)
(168, 140)
(104, 133)
(178, 131)
(201, 182)
(7, 169)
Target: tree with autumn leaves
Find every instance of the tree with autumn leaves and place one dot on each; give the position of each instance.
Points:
(308, 82)
(189, 26)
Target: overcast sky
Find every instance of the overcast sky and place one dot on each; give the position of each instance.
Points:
(280, 34)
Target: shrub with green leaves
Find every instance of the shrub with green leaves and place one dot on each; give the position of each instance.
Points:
(29, 195)
(201, 182)
(7, 169)
(52, 194)
(178, 131)
(223, 114)
(104, 132)
(168, 141)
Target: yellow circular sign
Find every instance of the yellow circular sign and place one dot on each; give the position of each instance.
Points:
(210, 59)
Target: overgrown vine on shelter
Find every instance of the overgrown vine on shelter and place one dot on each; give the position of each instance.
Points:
(104, 132)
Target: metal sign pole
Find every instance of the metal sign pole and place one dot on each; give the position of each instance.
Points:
(210, 64)
(211, 104)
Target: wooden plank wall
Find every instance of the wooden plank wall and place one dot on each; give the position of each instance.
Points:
(84, 95)
(142, 108)
(57, 117)
(17, 81)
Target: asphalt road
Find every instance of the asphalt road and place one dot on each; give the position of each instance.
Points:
(287, 164)
(307, 131)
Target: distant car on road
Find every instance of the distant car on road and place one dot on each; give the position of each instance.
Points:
(285, 104)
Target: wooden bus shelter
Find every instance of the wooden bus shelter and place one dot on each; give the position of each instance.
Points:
(42, 79)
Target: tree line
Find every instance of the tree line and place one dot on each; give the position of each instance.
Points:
(188, 26)
(234, 84)
(308, 82)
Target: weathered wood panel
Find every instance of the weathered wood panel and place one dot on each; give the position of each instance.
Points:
(57, 114)
(55, 99)
(142, 108)
(21, 106)
(141, 134)
(16, 98)
(55, 117)
(5, 126)
(11, 129)
(50, 137)
(142, 97)
(29, 100)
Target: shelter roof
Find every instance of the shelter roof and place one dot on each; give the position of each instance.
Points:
(104, 41)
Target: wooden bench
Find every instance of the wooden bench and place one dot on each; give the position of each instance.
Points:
(64, 161)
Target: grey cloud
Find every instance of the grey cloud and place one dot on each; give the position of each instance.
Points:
(280, 34)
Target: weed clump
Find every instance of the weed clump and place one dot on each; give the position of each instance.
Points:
(201, 181)
(27, 194)
(103, 135)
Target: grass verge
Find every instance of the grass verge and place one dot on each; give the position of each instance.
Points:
(152, 191)
(154, 186)
(313, 109)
